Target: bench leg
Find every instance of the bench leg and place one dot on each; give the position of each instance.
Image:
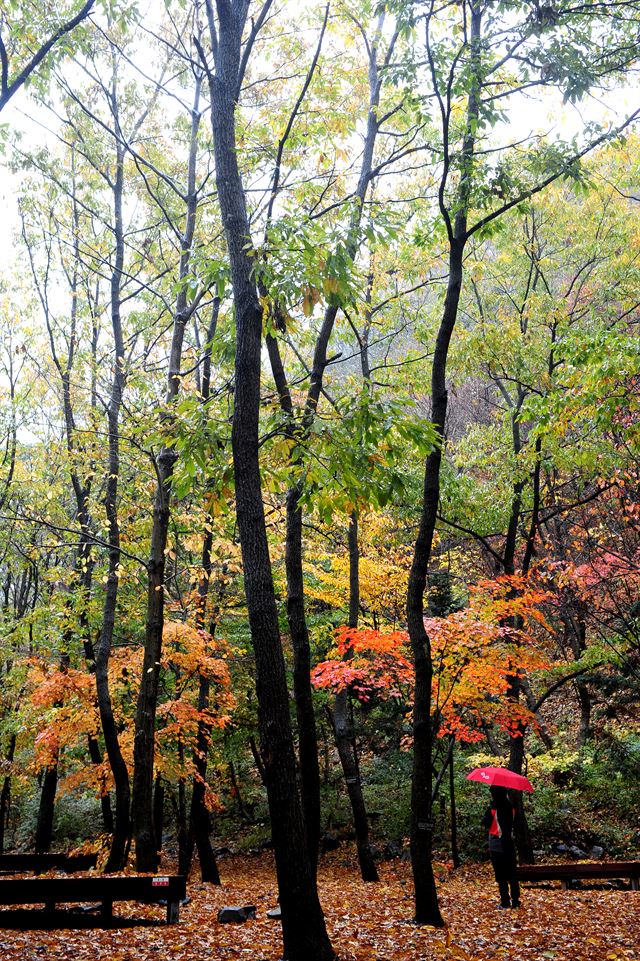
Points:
(106, 912)
(49, 905)
(635, 884)
(173, 912)
(565, 884)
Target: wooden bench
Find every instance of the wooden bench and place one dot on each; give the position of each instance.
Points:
(103, 890)
(39, 863)
(586, 870)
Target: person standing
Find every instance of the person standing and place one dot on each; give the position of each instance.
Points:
(498, 819)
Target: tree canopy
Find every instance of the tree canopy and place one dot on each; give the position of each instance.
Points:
(319, 426)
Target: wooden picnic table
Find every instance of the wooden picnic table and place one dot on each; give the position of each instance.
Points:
(102, 889)
(585, 870)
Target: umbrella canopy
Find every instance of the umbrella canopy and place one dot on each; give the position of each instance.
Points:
(501, 777)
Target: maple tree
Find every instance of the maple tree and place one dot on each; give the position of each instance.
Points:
(476, 652)
(64, 701)
(369, 663)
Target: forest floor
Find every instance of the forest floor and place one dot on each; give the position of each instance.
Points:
(366, 922)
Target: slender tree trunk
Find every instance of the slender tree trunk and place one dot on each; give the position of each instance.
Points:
(122, 828)
(44, 826)
(298, 628)
(199, 817)
(585, 731)
(427, 910)
(303, 928)
(517, 737)
(158, 808)
(122, 825)
(206, 855)
(455, 854)
(147, 844)
(258, 760)
(237, 794)
(530, 699)
(576, 629)
(343, 735)
(343, 729)
(147, 835)
(182, 829)
(49, 787)
(105, 801)
(5, 794)
(305, 713)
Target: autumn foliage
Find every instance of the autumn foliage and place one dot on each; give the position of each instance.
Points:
(368, 663)
(63, 701)
(476, 652)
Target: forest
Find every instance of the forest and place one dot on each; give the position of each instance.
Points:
(320, 469)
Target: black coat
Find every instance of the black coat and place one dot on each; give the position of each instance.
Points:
(504, 812)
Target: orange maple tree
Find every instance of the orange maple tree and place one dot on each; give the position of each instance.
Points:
(188, 654)
(61, 706)
(367, 662)
(476, 651)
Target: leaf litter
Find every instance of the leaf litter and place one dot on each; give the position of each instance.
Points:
(366, 922)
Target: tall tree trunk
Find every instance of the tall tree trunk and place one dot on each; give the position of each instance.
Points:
(307, 734)
(516, 682)
(303, 928)
(199, 817)
(343, 728)
(147, 845)
(300, 434)
(427, 910)
(122, 827)
(182, 827)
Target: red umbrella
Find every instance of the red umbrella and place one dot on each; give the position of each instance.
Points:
(501, 777)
